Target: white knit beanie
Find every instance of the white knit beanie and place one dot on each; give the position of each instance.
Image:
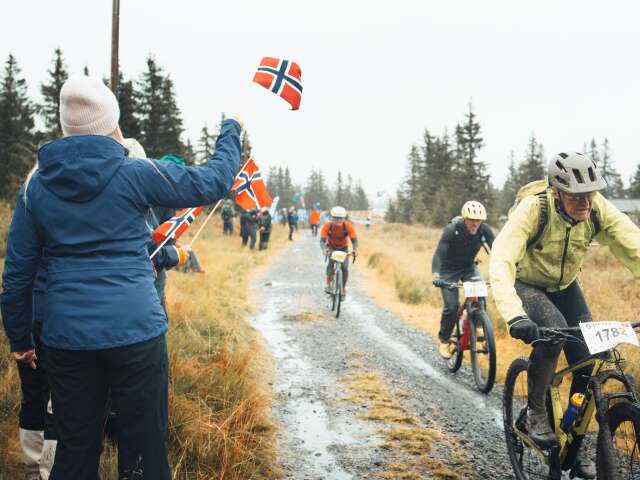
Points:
(87, 107)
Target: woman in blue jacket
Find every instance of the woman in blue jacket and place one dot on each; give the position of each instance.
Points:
(83, 210)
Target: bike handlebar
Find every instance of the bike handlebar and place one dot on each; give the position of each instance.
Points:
(457, 285)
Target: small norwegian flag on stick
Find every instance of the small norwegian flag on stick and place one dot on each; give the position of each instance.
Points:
(282, 77)
(176, 225)
(250, 189)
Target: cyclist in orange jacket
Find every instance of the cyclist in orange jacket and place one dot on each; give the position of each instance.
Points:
(335, 235)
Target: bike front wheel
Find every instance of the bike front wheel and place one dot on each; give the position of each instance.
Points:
(618, 455)
(527, 465)
(483, 351)
(337, 293)
(455, 361)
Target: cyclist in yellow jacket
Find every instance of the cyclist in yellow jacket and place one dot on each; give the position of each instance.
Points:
(536, 284)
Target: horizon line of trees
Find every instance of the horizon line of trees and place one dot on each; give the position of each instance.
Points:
(345, 192)
(148, 112)
(444, 171)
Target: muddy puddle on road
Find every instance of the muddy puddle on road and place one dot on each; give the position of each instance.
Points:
(309, 438)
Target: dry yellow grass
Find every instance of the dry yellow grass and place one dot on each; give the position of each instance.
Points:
(219, 401)
(403, 434)
(399, 277)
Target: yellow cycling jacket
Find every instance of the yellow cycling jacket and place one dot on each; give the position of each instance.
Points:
(554, 262)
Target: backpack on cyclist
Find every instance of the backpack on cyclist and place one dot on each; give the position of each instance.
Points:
(539, 188)
(345, 232)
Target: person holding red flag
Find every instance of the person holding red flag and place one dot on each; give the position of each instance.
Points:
(82, 212)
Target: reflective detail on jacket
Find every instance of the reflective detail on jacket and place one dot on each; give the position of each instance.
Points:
(549, 264)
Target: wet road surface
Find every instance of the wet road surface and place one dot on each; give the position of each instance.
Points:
(324, 434)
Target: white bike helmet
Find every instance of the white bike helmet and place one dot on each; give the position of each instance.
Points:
(574, 172)
(338, 212)
(474, 211)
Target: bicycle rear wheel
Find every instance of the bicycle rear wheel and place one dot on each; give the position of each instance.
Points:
(455, 361)
(337, 293)
(483, 351)
(525, 462)
(619, 456)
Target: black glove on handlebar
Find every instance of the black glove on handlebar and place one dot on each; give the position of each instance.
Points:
(438, 282)
(523, 328)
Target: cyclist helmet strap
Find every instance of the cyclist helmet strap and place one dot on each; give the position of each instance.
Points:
(542, 220)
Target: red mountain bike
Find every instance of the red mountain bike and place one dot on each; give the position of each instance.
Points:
(474, 332)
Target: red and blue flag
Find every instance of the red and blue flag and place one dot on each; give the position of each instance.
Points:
(282, 77)
(250, 189)
(176, 225)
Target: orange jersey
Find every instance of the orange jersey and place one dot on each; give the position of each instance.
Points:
(314, 217)
(337, 234)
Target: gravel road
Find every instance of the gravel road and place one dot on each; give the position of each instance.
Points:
(324, 433)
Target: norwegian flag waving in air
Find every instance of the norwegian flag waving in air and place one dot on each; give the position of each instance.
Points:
(282, 77)
(250, 189)
(176, 225)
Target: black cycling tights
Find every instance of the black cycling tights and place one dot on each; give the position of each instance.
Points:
(566, 308)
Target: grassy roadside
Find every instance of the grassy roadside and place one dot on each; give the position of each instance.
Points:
(219, 399)
(398, 276)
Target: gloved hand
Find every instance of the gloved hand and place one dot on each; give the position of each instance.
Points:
(438, 282)
(523, 328)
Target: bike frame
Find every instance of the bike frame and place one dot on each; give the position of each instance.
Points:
(604, 368)
(471, 305)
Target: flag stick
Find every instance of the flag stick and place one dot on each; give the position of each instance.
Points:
(193, 240)
(203, 224)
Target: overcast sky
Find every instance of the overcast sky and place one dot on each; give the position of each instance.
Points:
(375, 74)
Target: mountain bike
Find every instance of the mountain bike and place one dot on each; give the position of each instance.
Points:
(336, 289)
(617, 414)
(474, 332)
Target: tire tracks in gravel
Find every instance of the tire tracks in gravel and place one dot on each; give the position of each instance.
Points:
(323, 435)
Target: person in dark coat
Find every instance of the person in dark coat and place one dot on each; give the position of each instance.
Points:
(252, 227)
(265, 228)
(36, 427)
(245, 217)
(82, 211)
(292, 220)
(227, 215)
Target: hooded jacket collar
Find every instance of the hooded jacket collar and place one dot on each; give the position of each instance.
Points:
(78, 168)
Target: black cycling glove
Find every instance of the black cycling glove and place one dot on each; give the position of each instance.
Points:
(438, 282)
(523, 328)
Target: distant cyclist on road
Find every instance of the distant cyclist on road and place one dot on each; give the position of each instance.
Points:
(335, 235)
(534, 266)
(454, 260)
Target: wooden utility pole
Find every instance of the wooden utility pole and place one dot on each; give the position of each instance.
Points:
(115, 37)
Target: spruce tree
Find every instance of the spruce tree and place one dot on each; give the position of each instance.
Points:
(171, 126)
(49, 109)
(532, 168)
(339, 192)
(246, 147)
(634, 184)
(205, 146)
(473, 177)
(17, 142)
(361, 200)
(615, 187)
(127, 99)
(151, 108)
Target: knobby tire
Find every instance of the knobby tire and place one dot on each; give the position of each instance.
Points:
(609, 463)
(483, 322)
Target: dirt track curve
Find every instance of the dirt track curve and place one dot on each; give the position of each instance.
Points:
(328, 430)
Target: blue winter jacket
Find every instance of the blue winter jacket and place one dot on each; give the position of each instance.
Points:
(84, 212)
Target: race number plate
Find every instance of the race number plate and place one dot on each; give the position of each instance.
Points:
(601, 336)
(475, 289)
